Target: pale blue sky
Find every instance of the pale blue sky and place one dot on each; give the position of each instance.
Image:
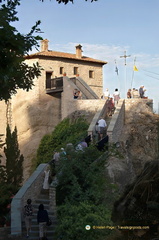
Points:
(105, 29)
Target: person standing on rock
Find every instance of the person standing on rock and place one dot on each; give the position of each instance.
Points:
(141, 91)
(28, 214)
(42, 219)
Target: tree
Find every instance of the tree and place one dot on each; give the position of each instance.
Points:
(14, 72)
(67, 1)
(14, 160)
(59, 1)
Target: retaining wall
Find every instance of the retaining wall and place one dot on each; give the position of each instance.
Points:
(31, 189)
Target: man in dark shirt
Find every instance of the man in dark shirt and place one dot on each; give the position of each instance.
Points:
(42, 219)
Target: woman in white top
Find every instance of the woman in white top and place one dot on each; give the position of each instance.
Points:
(46, 179)
(116, 96)
(106, 94)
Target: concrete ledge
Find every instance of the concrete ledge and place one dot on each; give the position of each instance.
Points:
(101, 112)
(30, 189)
(117, 122)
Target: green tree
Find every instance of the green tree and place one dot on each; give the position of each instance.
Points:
(14, 72)
(67, 1)
(14, 160)
(59, 1)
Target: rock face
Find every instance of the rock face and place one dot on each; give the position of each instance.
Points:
(137, 172)
(140, 133)
(138, 142)
(139, 204)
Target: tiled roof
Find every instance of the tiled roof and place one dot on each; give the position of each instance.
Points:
(53, 54)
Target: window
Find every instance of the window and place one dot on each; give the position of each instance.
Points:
(91, 74)
(48, 79)
(75, 70)
(61, 70)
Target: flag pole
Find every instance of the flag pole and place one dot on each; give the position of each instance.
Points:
(125, 56)
(117, 72)
(133, 73)
(134, 69)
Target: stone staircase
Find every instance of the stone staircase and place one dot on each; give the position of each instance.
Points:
(34, 234)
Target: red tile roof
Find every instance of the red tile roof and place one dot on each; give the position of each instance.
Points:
(55, 54)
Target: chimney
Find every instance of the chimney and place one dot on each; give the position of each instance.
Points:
(79, 51)
(44, 45)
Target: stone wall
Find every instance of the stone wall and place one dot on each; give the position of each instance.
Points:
(85, 107)
(117, 122)
(30, 189)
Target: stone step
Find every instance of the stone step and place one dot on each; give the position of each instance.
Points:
(34, 234)
(43, 198)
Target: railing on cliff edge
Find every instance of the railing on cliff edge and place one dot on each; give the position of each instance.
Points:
(31, 189)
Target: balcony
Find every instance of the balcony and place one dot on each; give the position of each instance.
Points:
(54, 85)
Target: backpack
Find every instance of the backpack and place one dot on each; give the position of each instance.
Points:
(28, 210)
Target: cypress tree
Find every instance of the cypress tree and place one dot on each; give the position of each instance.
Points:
(14, 160)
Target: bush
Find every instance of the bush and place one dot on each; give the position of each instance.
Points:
(82, 198)
(72, 220)
(65, 132)
(80, 177)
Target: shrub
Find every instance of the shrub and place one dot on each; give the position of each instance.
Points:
(72, 220)
(66, 131)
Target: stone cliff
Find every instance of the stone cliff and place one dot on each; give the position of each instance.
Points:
(138, 142)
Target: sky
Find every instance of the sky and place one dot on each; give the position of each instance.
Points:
(105, 29)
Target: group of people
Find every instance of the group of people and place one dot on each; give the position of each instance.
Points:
(42, 214)
(131, 93)
(114, 98)
(42, 219)
(135, 93)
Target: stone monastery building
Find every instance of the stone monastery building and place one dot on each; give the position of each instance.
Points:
(37, 112)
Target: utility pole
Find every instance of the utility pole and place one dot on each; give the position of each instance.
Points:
(125, 56)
